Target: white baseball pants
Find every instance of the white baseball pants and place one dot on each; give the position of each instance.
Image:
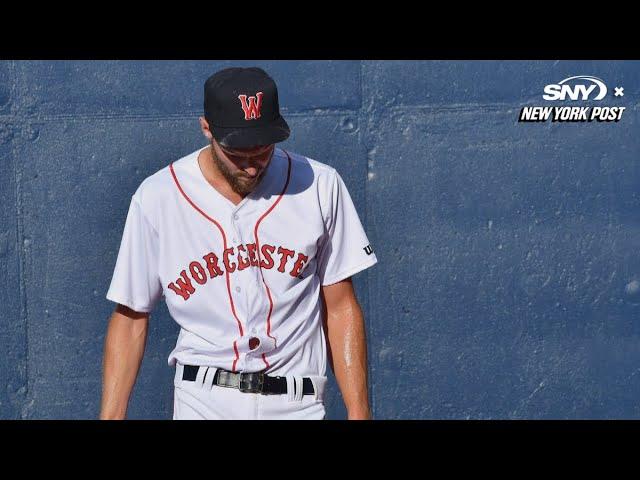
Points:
(200, 400)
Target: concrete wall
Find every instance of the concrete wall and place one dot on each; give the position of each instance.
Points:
(508, 282)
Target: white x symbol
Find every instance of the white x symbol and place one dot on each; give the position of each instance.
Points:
(619, 92)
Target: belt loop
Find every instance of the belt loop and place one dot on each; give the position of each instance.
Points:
(299, 388)
(290, 388)
(208, 377)
(200, 377)
(179, 373)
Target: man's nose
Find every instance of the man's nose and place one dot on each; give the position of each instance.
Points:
(252, 172)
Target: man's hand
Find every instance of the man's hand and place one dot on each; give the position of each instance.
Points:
(123, 351)
(347, 347)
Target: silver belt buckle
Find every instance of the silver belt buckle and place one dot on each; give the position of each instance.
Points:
(251, 382)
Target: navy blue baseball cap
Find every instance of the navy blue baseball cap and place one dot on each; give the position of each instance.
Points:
(242, 109)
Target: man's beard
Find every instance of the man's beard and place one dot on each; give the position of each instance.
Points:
(242, 184)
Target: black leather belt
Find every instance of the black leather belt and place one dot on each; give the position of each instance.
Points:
(248, 382)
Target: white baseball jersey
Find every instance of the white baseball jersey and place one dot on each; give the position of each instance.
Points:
(242, 281)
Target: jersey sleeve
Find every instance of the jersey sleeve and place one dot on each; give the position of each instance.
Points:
(135, 282)
(345, 250)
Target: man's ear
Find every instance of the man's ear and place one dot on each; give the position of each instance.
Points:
(204, 126)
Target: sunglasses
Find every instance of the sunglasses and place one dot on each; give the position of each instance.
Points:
(246, 152)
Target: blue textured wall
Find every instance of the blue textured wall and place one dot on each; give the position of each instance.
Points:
(508, 282)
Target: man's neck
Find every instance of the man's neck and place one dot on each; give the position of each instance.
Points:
(215, 178)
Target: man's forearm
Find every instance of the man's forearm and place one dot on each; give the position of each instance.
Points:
(347, 339)
(123, 352)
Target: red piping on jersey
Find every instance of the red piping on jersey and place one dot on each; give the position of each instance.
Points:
(255, 234)
(224, 240)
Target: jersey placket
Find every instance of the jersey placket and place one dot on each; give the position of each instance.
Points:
(246, 286)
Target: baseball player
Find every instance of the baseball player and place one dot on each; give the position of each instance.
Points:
(253, 248)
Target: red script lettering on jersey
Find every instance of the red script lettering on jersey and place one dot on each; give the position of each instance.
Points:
(198, 272)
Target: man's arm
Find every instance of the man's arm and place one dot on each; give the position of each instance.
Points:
(347, 347)
(123, 351)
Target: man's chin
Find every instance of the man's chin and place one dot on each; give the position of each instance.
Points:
(245, 186)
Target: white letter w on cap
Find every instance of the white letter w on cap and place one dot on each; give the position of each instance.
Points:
(251, 111)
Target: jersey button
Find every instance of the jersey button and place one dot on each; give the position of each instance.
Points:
(235, 217)
(254, 343)
(238, 289)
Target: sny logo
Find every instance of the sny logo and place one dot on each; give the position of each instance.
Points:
(368, 249)
(579, 91)
(252, 110)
